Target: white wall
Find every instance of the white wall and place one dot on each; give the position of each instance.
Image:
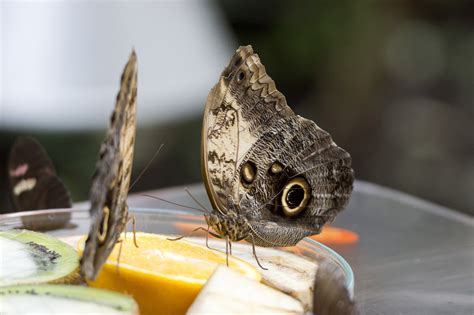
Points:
(61, 60)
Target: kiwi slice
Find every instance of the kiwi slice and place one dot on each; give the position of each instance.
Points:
(31, 257)
(63, 299)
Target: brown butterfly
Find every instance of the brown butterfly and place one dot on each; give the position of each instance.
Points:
(111, 180)
(35, 185)
(272, 177)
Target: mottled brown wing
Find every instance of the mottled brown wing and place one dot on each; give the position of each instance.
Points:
(239, 108)
(34, 183)
(306, 152)
(111, 180)
(248, 122)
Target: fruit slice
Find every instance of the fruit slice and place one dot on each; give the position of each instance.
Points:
(163, 276)
(286, 272)
(63, 299)
(227, 292)
(31, 257)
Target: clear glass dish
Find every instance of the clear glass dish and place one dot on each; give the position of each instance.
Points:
(160, 221)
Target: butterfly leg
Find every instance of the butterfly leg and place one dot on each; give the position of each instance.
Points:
(255, 253)
(134, 226)
(120, 241)
(207, 237)
(230, 248)
(227, 250)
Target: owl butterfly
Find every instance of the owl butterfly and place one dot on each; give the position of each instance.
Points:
(111, 180)
(272, 177)
(35, 185)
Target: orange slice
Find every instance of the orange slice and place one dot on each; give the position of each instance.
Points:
(163, 276)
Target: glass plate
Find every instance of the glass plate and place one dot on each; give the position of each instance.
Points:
(162, 221)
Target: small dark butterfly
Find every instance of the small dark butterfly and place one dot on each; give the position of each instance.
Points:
(111, 180)
(35, 185)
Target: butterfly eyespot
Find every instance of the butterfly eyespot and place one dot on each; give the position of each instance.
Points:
(276, 168)
(238, 61)
(104, 225)
(248, 173)
(240, 76)
(295, 196)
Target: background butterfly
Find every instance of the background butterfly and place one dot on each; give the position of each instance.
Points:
(273, 177)
(35, 185)
(111, 180)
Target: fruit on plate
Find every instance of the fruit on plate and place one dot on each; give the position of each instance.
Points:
(286, 272)
(63, 299)
(228, 292)
(163, 276)
(29, 257)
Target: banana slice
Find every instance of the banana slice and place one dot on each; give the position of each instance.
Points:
(228, 292)
(287, 272)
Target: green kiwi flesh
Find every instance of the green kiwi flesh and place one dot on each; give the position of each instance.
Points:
(63, 299)
(30, 257)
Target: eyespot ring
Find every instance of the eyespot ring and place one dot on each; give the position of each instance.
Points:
(240, 76)
(276, 168)
(248, 173)
(299, 190)
(104, 225)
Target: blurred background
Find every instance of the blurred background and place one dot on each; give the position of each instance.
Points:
(392, 81)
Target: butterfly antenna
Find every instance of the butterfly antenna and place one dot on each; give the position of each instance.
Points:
(173, 203)
(146, 167)
(195, 200)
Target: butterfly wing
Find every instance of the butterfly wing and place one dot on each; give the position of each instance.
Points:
(235, 116)
(255, 149)
(311, 161)
(34, 183)
(111, 180)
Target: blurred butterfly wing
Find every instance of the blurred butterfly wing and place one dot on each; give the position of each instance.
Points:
(235, 116)
(33, 181)
(111, 180)
(330, 294)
